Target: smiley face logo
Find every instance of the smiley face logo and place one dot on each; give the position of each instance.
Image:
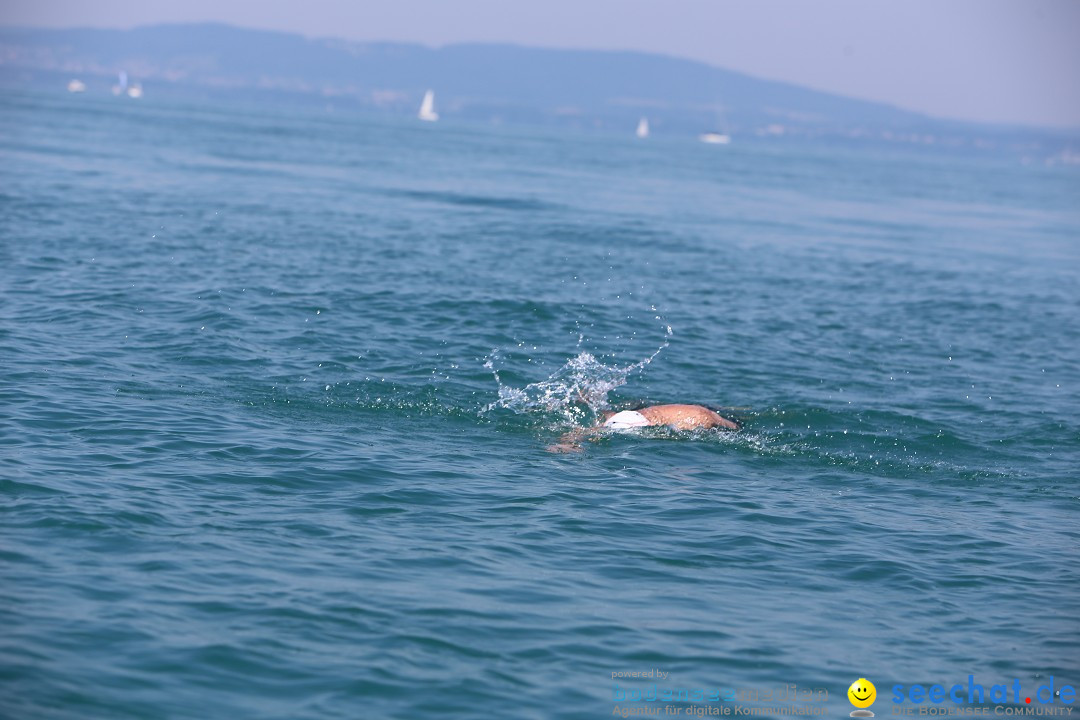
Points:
(862, 694)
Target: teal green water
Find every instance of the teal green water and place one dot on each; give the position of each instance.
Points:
(277, 388)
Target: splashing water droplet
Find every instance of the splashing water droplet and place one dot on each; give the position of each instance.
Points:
(583, 379)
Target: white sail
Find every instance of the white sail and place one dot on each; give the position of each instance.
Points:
(643, 128)
(427, 108)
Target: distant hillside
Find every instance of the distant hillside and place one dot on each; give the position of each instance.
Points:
(487, 83)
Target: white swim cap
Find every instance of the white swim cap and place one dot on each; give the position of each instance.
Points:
(626, 419)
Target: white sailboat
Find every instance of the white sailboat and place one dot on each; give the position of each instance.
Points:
(427, 108)
(715, 138)
(76, 86)
(643, 128)
(121, 87)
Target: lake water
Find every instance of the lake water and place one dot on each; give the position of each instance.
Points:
(278, 386)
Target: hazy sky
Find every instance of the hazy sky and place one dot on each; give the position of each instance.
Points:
(992, 60)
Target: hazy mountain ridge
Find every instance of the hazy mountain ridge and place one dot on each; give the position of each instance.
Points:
(479, 82)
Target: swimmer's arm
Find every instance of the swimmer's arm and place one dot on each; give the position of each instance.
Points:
(571, 442)
(721, 421)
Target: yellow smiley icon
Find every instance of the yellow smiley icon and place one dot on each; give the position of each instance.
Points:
(862, 693)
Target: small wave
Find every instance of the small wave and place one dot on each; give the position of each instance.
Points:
(467, 200)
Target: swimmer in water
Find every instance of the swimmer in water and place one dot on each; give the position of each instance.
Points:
(678, 417)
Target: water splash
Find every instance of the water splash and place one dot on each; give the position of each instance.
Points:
(583, 380)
